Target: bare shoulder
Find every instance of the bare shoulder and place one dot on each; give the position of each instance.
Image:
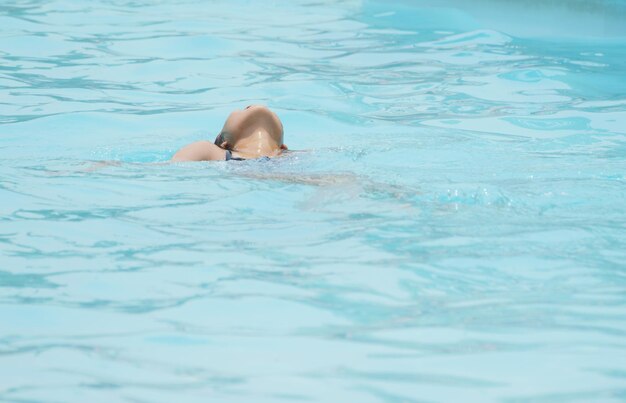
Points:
(199, 151)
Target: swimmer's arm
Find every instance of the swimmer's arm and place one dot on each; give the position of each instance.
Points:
(199, 151)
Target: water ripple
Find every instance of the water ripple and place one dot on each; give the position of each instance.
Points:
(452, 223)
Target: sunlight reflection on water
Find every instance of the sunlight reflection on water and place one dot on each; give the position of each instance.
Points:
(452, 225)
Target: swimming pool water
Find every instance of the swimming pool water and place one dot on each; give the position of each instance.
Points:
(452, 227)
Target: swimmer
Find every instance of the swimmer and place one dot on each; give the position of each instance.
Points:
(255, 132)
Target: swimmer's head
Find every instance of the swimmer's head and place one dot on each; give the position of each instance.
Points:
(255, 131)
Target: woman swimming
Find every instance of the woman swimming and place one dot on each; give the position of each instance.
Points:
(255, 132)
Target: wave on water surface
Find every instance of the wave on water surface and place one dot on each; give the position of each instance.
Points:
(450, 225)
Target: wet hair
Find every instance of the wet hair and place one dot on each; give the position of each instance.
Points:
(219, 139)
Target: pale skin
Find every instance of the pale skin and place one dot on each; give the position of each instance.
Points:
(253, 132)
(257, 132)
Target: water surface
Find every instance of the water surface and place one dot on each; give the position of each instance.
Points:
(452, 229)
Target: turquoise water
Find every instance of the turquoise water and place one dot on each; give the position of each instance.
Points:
(452, 228)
